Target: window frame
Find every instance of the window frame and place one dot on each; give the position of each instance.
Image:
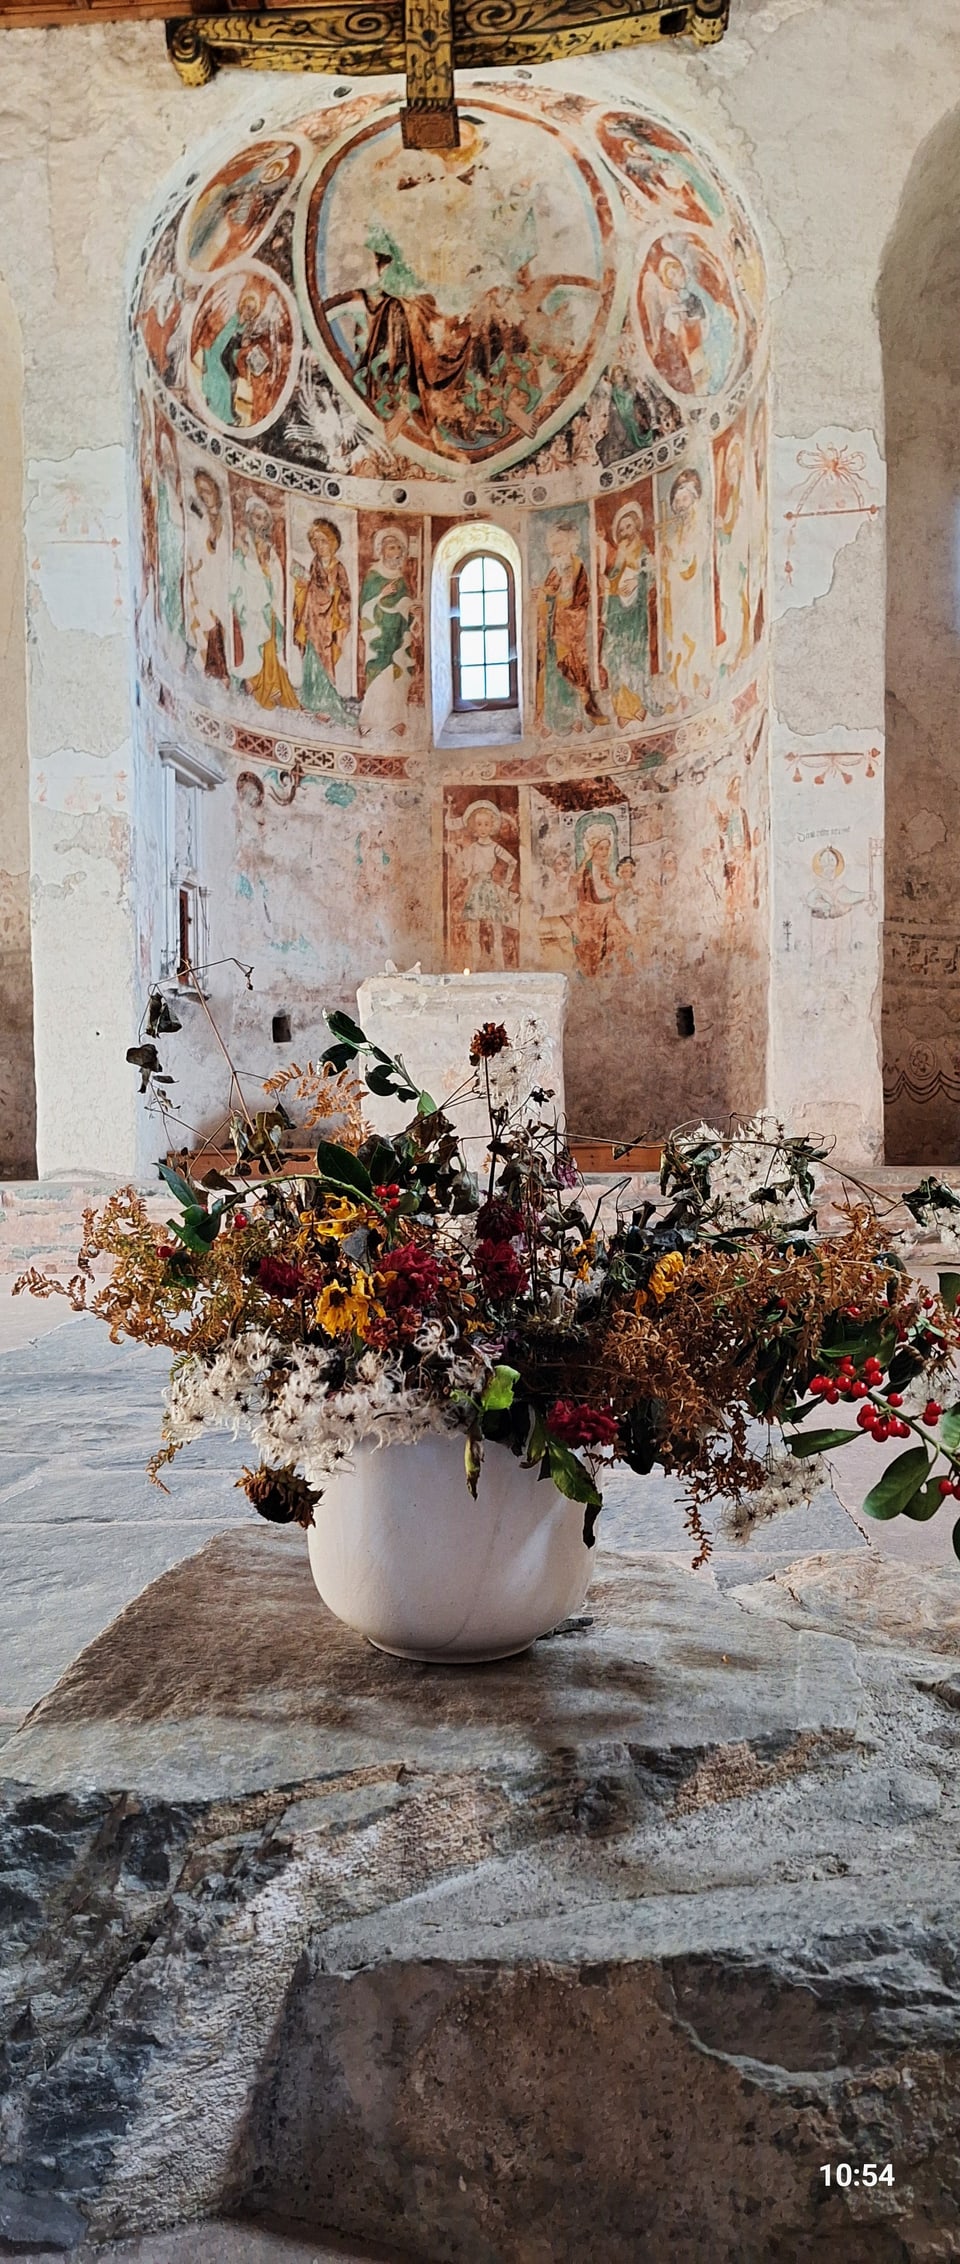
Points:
(186, 897)
(460, 705)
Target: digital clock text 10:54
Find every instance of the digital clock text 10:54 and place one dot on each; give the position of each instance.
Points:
(846, 2173)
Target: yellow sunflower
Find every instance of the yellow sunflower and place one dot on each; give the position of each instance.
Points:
(346, 1309)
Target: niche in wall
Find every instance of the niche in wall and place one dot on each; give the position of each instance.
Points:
(457, 618)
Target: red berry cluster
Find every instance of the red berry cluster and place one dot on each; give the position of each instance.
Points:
(388, 1194)
(882, 1422)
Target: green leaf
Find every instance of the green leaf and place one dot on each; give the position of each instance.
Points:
(956, 1538)
(950, 1292)
(426, 1105)
(949, 1433)
(473, 1458)
(570, 1475)
(820, 1442)
(536, 1444)
(198, 1228)
(925, 1503)
(877, 1343)
(342, 1027)
(339, 1057)
(178, 1186)
(343, 1170)
(900, 1481)
(499, 1389)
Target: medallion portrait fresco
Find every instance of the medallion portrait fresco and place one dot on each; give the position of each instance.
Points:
(689, 316)
(463, 304)
(244, 348)
(232, 213)
(662, 169)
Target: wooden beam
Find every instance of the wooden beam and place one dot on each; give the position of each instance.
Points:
(429, 120)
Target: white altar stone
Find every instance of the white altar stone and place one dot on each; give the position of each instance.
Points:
(430, 1020)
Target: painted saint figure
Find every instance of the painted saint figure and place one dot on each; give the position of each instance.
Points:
(489, 870)
(687, 611)
(688, 316)
(630, 580)
(321, 622)
(206, 576)
(241, 353)
(603, 941)
(386, 626)
(731, 553)
(257, 601)
(565, 694)
(170, 544)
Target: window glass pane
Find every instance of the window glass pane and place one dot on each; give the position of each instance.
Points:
(471, 648)
(473, 683)
(471, 608)
(496, 605)
(471, 575)
(498, 683)
(494, 572)
(498, 644)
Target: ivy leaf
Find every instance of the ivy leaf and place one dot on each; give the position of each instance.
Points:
(820, 1442)
(950, 1292)
(180, 1187)
(343, 1170)
(345, 1029)
(950, 1428)
(499, 1389)
(900, 1481)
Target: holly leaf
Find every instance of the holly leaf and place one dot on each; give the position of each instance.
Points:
(901, 1480)
(949, 1290)
(820, 1442)
(198, 1228)
(342, 1170)
(499, 1389)
(180, 1187)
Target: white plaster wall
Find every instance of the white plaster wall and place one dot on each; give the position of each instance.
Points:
(17, 1096)
(818, 108)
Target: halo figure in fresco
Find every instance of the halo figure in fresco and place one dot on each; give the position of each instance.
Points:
(630, 582)
(257, 606)
(661, 167)
(241, 348)
(230, 215)
(688, 316)
(489, 871)
(601, 940)
(386, 627)
(321, 622)
(206, 576)
(470, 325)
(565, 695)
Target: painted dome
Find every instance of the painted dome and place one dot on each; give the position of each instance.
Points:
(562, 297)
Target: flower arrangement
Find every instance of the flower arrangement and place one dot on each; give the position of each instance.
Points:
(387, 1294)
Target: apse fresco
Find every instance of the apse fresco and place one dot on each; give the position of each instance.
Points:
(342, 349)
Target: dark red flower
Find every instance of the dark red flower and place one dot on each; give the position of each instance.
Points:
(409, 1277)
(500, 1272)
(279, 1278)
(489, 1040)
(497, 1221)
(581, 1426)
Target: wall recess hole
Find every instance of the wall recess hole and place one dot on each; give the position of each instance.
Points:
(280, 1028)
(686, 1026)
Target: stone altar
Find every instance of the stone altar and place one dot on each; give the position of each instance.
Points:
(598, 1952)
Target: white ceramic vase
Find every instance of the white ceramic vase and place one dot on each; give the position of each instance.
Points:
(401, 1551)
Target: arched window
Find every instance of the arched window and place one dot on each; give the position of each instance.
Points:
(483, 633)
